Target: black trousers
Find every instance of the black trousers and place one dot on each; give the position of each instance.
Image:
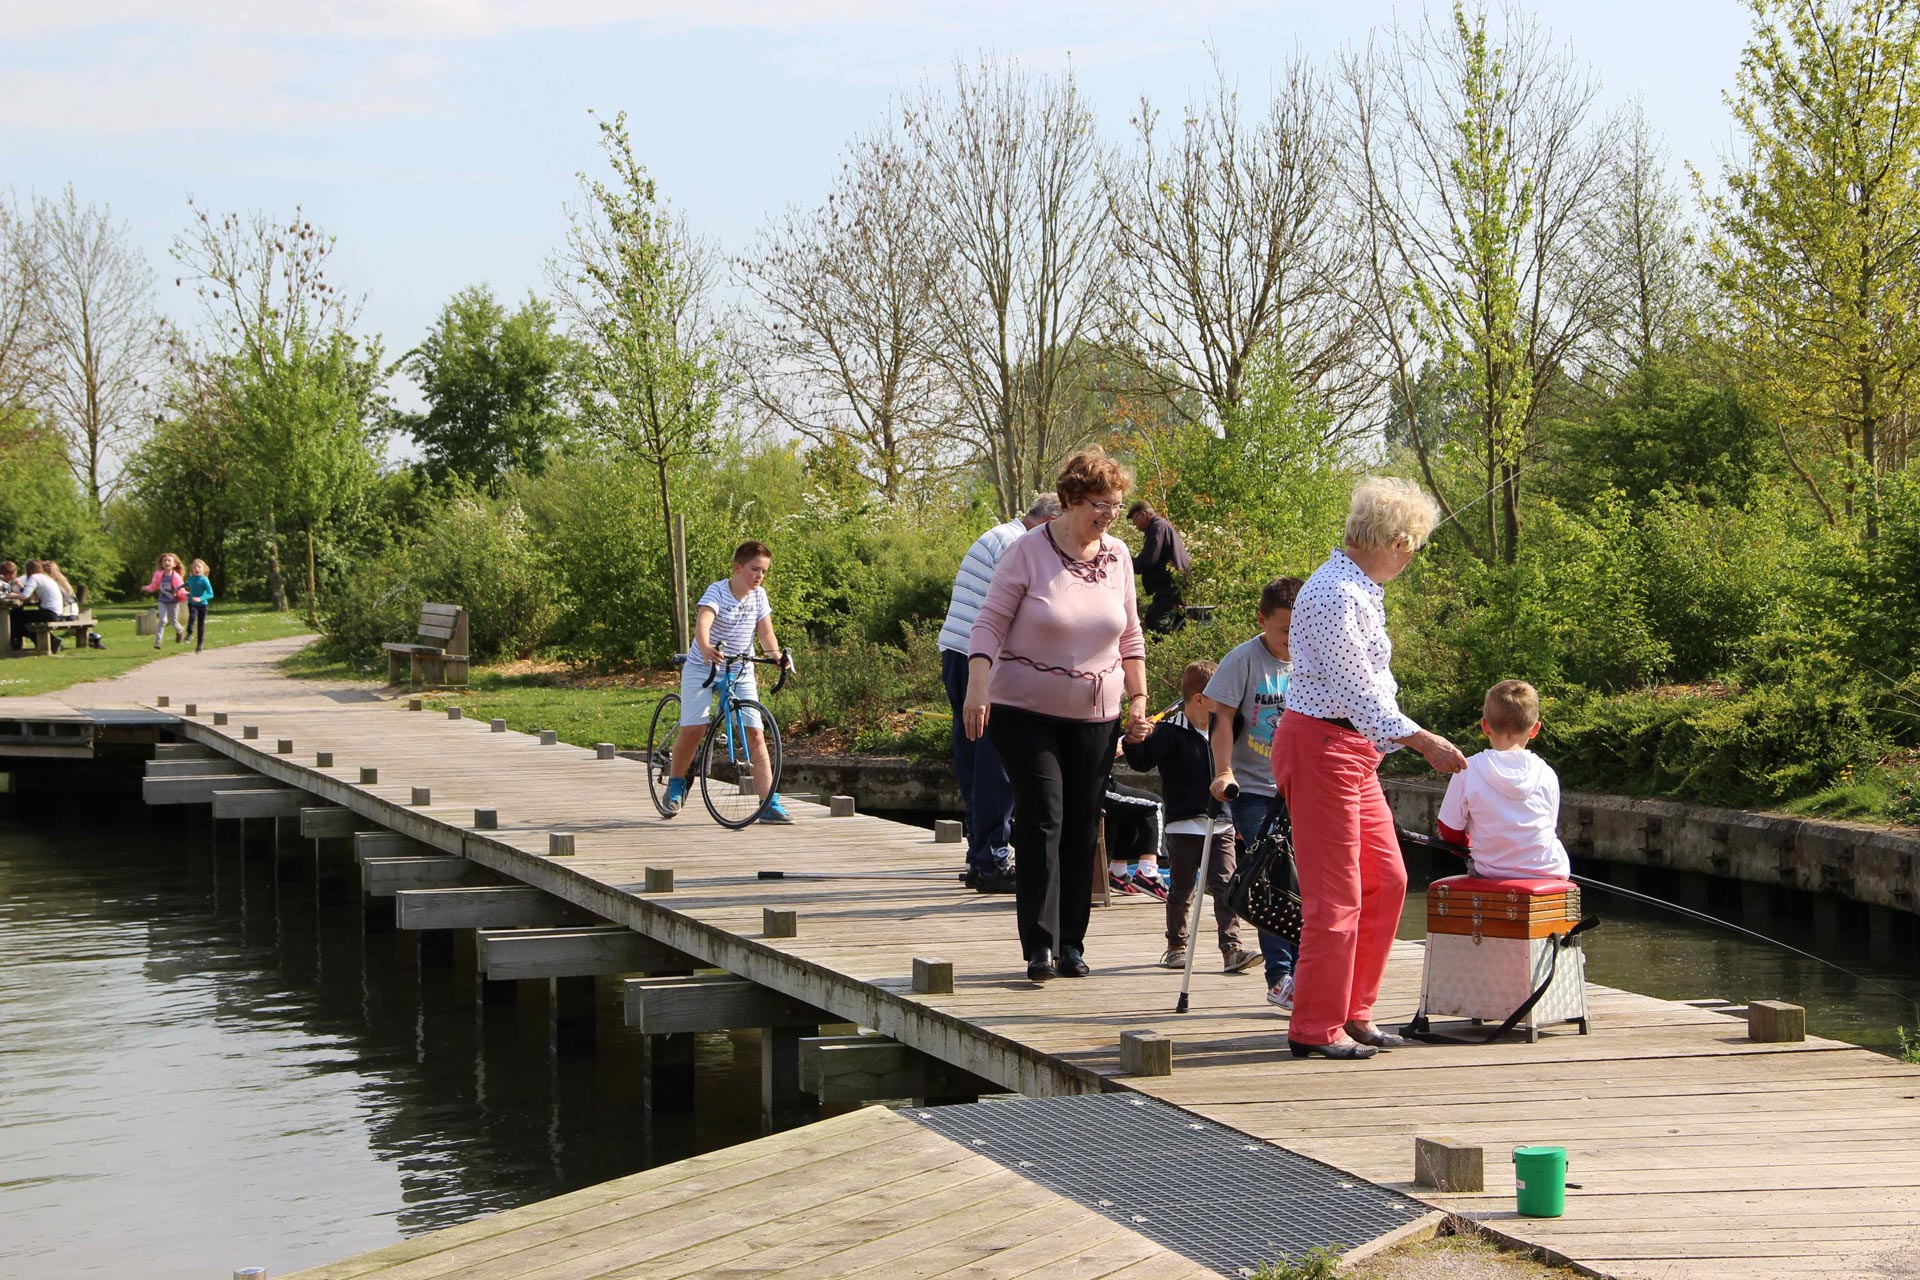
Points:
(1059, 771)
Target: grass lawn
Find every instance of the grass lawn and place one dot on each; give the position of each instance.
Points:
(226, 624)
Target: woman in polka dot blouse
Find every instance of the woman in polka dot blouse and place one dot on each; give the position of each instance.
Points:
(1342, 717)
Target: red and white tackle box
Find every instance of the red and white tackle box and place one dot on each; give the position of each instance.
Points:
(1489, 947)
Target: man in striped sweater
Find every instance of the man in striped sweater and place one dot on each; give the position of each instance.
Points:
(986, 797)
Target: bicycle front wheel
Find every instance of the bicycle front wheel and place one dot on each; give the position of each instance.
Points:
(730, 772)
(660, 737)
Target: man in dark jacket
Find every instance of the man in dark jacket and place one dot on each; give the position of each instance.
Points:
(1162, 553)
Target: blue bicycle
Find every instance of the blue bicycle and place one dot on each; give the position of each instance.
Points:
(736, 786)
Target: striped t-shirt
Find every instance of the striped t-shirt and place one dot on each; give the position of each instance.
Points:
(971, 582)
(733, 618)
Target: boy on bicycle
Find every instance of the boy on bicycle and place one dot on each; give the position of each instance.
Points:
(731, 614)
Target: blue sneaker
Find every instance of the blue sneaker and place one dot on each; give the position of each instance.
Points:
(676, 795)
(776, 812)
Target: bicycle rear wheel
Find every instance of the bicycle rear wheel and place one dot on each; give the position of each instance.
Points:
(728, 777)
(660, 736)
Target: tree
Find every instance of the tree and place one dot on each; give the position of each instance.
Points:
(1651, 261)
(1816, 241)
(22, 330)
(290, 394)
(844, 337)
(1477, 181)
(1013, 165)
(493, 381)
(636, 287)
(105, 344)
(1232, 242)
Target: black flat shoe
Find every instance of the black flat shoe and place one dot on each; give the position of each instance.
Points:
(994, 882)
(1040, 966)
(1072, 963)
(1338, 1049)
(1374, 1036)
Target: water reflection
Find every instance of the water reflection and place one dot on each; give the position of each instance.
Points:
(209, 1060)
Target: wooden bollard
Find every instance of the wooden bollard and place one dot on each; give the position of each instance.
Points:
(249, 731)
(498, 726)
(1146, 1053)
(192, 708)
(559, 844)
(283, 746)
(840, 806)
(549, 736)
(658, 879)
(163, 701)
(932, 977)
(368, 776)
(779, 922)
(414, 704)
(1446, 1165)
(219, 717)
(455, 713)
(323, 759)
(949, 831)
(1776, 1022)
(423, 795)
(603, 750)
(486, 819)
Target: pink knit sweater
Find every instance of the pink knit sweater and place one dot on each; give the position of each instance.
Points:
(1057, 632)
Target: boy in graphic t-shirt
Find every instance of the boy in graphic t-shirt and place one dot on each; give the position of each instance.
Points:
(1248, 692)
(732, 613)
(1506, 804)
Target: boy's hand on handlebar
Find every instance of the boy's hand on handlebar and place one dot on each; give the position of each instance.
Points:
(712, 653)
(1220, 785)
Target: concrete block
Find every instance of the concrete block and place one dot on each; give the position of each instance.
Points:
(603, 750)
(455, 713)
(932, 977)
(1446, 1165)
(486, 819)
(414, 704)
(323, 759)
(840, 806)
(949, 831)
(498, 726)
(559, 844)
(779, 922)
(219, 717)
(1776, 1022)
(548, 737)
(250, 732)
(658, 880)
(283, 746)
(422, 796)
(1146, 1053)
(369, 776)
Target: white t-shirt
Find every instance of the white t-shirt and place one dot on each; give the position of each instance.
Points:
(44, 591)
(733, 618)
(1508, 803)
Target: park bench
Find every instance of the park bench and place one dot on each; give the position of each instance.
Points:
(77, 630)
(442, 660)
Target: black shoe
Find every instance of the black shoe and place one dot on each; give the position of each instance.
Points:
(994, 882)
(969, 877)
(1342, 1049)
(1072, 963)
(1040, 967)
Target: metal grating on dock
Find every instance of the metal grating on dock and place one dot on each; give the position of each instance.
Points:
(1198, 1188)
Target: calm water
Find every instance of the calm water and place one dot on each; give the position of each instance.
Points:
(204, 1065)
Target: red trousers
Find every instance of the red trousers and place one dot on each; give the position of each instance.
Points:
(1353, 883)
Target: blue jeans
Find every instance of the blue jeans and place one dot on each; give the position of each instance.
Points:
(986, 797)
(1248, 812)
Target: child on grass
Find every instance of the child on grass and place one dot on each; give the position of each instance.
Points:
(1179, 749)
(1506, 805)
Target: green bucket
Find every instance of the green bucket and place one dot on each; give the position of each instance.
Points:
(1540, 1178)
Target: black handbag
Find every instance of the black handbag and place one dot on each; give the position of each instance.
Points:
(1265, 888)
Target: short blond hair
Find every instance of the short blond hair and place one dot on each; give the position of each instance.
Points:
(1390, 513)
(1512, 706)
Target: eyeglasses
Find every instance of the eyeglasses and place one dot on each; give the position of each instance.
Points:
(1107, 508)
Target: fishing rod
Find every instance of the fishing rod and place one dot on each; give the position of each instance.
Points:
(1434, 843)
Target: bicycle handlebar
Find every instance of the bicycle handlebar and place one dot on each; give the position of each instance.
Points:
(740, 659)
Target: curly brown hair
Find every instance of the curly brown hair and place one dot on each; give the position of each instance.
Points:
(1088, 472)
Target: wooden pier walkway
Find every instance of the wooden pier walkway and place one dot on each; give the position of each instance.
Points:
(1698, 1153)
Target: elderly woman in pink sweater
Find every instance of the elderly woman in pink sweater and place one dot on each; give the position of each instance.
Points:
(1056, 658)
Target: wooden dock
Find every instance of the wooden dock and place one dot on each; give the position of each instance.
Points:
(1698, 1152)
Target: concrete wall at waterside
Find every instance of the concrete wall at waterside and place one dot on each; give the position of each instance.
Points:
(1865, 864)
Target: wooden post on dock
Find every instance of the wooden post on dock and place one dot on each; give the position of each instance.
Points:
(783, 1105)
(669, 1086)
(1776, 1022)
(1446, 1165)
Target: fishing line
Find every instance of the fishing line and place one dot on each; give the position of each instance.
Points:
(1728, 924)
(1460, 511)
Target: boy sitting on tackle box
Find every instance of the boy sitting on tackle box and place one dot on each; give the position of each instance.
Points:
(1505, 807)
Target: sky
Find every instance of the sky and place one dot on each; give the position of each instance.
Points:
(439, 140)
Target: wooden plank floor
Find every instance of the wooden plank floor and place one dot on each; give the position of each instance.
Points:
(867, 1194)
(1694, 1147)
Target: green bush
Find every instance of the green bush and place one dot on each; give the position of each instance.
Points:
(1741, 747)
(468, 552)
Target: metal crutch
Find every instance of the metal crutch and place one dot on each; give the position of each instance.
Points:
(1200, 893)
